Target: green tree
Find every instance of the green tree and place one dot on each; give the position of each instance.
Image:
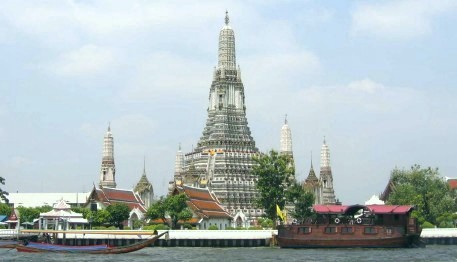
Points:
(157, 210)
(174, 206)
(423, 188)
(177, 209)
(303, 201)
(446, 220)
(82, 210)
(28, 214)
(119, 212)
(3, 194)
(99, 217)
(275, 174)
(5, 209)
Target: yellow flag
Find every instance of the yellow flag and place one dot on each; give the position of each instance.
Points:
(280, 214)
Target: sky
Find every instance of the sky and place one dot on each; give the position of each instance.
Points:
(376, 78)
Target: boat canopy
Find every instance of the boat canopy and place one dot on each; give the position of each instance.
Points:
(353, 209)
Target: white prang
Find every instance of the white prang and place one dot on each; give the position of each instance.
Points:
(108, 168)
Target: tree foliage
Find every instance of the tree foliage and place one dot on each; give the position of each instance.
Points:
(174, 206)
(3, 194)
(82, 210)
(157, 210)
(28, 214)
(303, 201)
(424, 188)
(275, 174)
(5, 209)
(118, 213)
(99, 217)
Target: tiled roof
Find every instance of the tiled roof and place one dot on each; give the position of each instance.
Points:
(131, 205)
(109, 196)
(120, 194)
(197, 193)
(203, 203)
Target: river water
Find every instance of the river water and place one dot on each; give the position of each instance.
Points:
(430, 253)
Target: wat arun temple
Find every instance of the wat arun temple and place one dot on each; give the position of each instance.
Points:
(223, 157)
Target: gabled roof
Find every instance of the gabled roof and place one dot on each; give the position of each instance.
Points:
(62, 205)
(203, 202)
(374, 209)
(109, 196)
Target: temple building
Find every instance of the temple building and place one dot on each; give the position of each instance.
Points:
(144, 189)
(222, 159)
(313, 185)
(326, 177)
(108, 169)
(322, 187)
(100, 198)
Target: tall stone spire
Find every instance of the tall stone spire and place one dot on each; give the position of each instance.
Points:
(179, 162)
(227, 57)
(326, 177)
(222, 159)
(144, 188)
(108, 169)
(286, 139)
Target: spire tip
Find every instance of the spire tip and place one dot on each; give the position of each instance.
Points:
(226, 17)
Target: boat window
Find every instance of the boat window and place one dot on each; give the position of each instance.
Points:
(389, 231)
(370, 230)
(330, 230)
(304, 230)
(347, 230)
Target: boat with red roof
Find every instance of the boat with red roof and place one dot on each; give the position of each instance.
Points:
(365, 226)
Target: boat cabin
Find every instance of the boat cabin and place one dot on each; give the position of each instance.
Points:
(345, 217)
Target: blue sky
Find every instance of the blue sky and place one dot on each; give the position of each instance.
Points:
(376, 78)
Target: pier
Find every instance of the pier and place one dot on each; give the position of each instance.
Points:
(203, 238)
(176, 238)
(439, 236)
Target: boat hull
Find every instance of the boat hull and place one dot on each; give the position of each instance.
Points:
(8, 243)
(317, 238)
(97, 249)
(343, 243)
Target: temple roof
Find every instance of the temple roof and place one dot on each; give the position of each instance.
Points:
(203, 202)
(144, 183)
(109, 196)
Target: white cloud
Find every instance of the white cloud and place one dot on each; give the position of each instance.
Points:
(398, 19)
(365, 85)
(85, 61)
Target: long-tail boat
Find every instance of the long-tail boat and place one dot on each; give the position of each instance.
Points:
(8, 243)
(36, 247)
(370, 226)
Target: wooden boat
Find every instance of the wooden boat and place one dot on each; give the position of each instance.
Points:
(337, 226)
(35, 247)
(8, 243)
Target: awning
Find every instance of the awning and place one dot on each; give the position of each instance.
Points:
(78, 220)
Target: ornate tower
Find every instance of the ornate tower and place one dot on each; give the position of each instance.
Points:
(179, 162)
(313, 185)
(286, 139)
(108, 169)
(326, 178)
(145, 189)
(222, 159)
